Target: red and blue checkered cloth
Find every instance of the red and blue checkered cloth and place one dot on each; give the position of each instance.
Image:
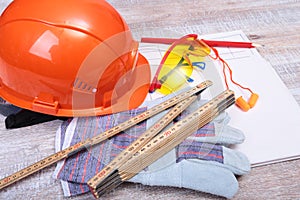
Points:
(75, 171)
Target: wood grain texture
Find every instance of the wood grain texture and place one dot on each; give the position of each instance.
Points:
(273, 23)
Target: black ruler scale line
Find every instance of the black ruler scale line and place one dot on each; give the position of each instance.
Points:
(54, 158)
(160, 145)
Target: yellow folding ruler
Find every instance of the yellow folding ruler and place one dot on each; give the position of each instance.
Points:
(154, 143)
(54, 158)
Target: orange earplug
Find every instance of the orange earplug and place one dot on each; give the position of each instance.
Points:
(241, 103)
(253, 99)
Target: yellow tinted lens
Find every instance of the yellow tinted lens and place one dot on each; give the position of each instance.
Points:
(175, 70)
(177, 67)
(173, 78)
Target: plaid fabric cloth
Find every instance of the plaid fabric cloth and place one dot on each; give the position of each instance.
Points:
(84, 165)
(6, 108)
(78, 169)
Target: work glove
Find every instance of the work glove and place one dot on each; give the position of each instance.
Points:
(202, 162)
(212, 172)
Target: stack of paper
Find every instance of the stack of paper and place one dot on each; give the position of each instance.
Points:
(272, 127)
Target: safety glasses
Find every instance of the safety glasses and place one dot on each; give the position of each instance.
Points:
(186, 54)
(178, 63)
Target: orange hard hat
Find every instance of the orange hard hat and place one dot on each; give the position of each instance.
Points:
(70, 58)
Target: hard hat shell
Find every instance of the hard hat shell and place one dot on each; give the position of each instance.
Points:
(70, 58)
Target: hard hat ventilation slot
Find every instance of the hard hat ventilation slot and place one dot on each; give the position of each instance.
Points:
(83, 86)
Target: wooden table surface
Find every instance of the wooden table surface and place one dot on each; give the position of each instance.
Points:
(274, 23)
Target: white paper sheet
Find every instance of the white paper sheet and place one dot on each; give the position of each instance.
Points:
(272, 127)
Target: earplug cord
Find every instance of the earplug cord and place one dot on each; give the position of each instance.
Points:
(240, 102)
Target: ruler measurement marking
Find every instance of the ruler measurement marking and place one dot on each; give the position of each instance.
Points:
(167, 139)
(97, 139)
(141, 140)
